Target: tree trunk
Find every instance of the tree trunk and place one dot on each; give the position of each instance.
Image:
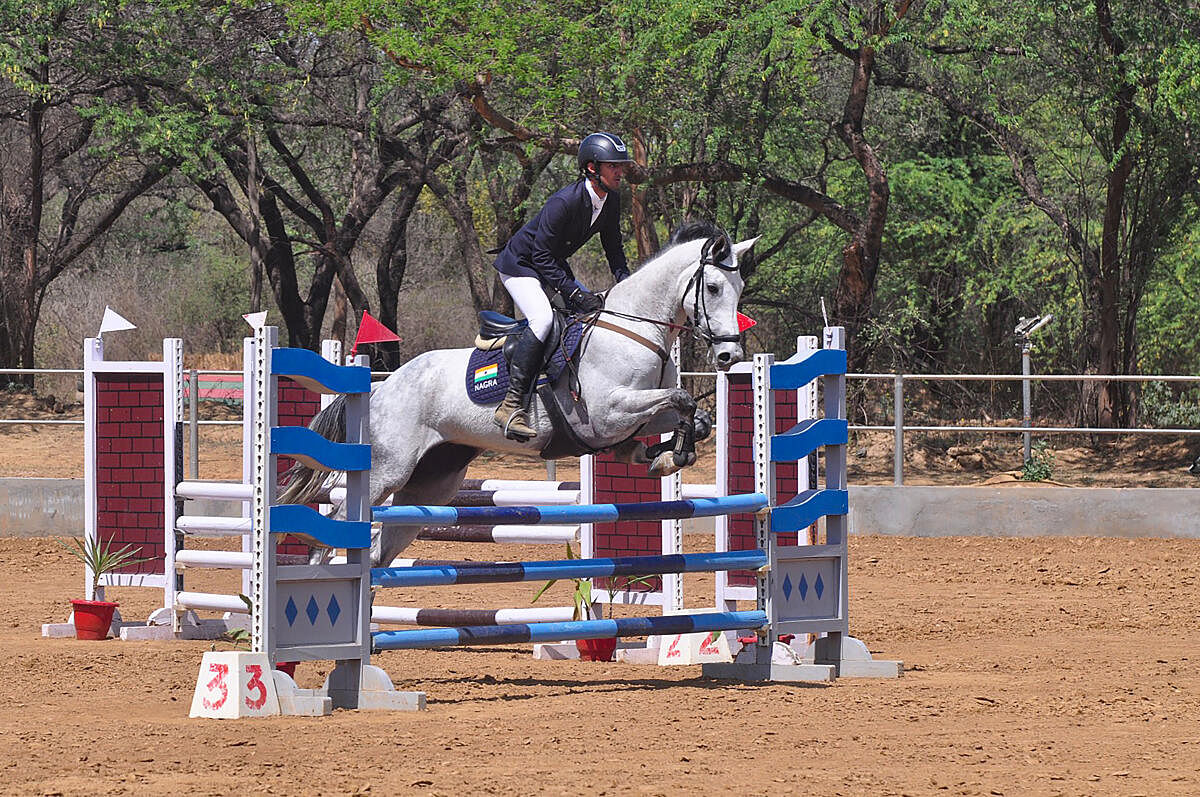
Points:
(855, 290)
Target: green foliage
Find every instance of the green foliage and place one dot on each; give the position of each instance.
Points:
(1040, 465)
(1170, 406)
(100, 557)
(581, 595)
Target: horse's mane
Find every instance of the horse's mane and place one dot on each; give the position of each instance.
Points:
(695, 230)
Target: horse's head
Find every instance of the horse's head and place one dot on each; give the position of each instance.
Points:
(713, 287)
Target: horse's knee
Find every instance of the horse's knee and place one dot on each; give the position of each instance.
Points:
(683, 403)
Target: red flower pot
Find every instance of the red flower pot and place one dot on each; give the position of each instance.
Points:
(596, 649)
(93, 618)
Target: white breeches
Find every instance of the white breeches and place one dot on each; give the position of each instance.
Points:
(530, 298)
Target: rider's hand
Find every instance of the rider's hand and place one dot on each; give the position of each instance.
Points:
(581, 301)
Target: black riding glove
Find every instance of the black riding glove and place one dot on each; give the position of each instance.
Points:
(582, 301)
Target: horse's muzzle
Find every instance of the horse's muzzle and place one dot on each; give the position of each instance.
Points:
(726, 354)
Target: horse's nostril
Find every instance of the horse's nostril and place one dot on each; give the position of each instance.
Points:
(723, 357)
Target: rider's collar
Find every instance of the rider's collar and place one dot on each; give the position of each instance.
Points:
(597, 200)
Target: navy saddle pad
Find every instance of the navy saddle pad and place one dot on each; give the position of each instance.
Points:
(487, 371)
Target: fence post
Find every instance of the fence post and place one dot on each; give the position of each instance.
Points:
(898, 445)
(193, 425)
(1026, 398)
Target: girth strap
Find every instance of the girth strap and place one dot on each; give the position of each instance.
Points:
(563, 440)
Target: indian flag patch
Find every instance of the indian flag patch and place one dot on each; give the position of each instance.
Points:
(487, 372)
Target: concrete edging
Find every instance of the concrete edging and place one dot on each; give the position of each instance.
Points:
(54, 507)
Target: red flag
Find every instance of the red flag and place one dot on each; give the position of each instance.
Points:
(744, 322)
(371, 330)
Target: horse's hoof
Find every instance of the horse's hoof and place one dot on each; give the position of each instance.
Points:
(684, 460)
(663, 465)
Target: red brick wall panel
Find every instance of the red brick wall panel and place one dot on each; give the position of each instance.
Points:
(129, 430)
(620, 483)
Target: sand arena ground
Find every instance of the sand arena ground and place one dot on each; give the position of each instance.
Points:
(1032, 666)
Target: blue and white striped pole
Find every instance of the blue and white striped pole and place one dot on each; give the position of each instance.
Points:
(580, 629)
(508, 572)
(583, 513)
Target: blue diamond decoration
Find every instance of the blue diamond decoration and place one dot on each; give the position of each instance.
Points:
(803, 587)
(819, 586)
(333, 609)
(312, 610)
(290, 611)
(787, 587)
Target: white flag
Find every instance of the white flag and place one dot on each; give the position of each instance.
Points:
(114, 322)
(256, 320)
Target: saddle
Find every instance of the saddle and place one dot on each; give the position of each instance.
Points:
(498, 331)
(487, 372)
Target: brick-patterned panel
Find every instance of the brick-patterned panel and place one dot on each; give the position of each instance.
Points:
(741, 462)
(620, 483)
(296, 407)
(130, 465)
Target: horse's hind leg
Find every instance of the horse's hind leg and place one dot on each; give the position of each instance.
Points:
(435, 480)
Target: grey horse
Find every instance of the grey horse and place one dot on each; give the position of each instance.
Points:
(425, 430)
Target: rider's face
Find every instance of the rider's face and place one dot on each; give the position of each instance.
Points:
(610, 175)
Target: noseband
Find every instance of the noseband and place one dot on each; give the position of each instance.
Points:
(715, 250)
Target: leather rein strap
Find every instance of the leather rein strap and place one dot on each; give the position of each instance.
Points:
(596, 321)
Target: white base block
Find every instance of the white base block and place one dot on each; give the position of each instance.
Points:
(378, 693)
(855, 660)
(297, 702)
(751, 673)
(233, 684)
(58, 630)
(813, 664)
(368, 689)
(143, 633)
(638, 655)
(548, 651)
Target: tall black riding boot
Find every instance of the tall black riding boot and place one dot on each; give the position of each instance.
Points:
(512, 415)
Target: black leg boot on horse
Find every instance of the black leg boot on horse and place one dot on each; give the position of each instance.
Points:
(513, 413)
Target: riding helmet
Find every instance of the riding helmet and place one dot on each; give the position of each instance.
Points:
(602, 148)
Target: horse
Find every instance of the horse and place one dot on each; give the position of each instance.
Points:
(425, 431)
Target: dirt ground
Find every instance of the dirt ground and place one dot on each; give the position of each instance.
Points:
(1032, 666)
(1065, 666)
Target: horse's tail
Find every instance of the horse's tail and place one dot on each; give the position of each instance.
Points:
(301, 484)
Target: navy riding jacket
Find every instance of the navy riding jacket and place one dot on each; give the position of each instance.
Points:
(541, 248)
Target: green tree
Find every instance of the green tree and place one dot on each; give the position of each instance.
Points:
(68, 170)
(1073, 96)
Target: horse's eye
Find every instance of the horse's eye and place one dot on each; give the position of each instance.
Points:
(713, 288)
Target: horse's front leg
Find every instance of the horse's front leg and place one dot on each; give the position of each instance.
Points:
(668, 409)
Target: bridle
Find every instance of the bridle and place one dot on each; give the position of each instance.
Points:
(713, 252)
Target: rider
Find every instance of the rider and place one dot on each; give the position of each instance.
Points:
(534, 261)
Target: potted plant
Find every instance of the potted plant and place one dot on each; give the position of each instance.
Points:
(593, 649)
(93, 618)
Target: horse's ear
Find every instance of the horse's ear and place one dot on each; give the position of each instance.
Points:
(742, 246)
(720, 248)
(746, 263)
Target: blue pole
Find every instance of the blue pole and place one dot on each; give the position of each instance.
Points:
(580, 629)
(506, 572)
(583, 513)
